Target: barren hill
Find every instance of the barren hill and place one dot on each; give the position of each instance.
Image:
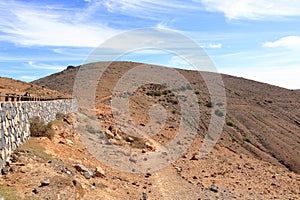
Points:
(15, 87)
(263, 120)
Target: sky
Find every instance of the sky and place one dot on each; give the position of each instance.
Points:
(257, 39)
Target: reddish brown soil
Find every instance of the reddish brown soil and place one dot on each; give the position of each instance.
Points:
(266, 118)
(15, 87)
(237, 176)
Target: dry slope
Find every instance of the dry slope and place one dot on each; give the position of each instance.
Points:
(264, 120)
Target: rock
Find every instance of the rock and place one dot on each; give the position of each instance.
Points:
(14, 158)
(80, 167)
(195, 156)
(45, 183)
(144, 197)
(68, 119)
(35, 191)
(84, 171)
(149, 146)
(179, 169)
(5, 170)
(118, 137)
(129, 139)
(69, 142)
(135, 183)
(87, 174)
(75, 182)
(109, 134)
(99, 172)
(148, 175)
(214, 188)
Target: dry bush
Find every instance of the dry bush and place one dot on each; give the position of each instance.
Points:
(38, 128)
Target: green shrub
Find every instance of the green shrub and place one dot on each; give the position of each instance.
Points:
(174, 111)
(197, 92)
(38, 128)
(153, 93)
(165, 92)
(229, 123)
(157, 93)
(210, 104)
(219, 113)
(246, 139)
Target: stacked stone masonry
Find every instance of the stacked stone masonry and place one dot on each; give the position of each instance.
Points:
(14, 121)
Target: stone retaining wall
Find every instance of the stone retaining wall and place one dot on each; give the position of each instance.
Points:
(14, 121)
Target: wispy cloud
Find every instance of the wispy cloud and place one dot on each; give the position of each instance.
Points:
(212, 46)
(28, 78)
(254, 9)
(289, 42)
(150, 9)
(45, 66)
(27, 24)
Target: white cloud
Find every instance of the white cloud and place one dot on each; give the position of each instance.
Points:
(212, 46)
(45, 66)
(286, 76)
(26, 24)
(254, 9)
(289, 42)
(153, 9)
(28, 78)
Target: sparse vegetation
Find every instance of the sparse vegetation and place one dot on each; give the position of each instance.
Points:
(233, 139)
(220, 104)
(230, 123)
(210, 104)
(8, 193)
(153, 93)
(165, 92)
(219, 113)
(246, 139)
(33, 147)
(38, 128)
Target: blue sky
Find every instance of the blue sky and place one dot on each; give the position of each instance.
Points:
(257, 39)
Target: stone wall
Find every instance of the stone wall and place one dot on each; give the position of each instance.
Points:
(14, 121)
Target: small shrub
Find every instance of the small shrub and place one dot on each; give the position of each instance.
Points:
(157, 93)
(229, 123)
(38, 128)
(153, 93)
(174, 111)
(246, 139)
(219, 113)
(210, 104)
(220, 104)
(188, 87)
(197, 92)
(165, 92)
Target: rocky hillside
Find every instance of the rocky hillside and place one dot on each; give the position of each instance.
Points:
(263, 121)
(62, 168)
(15, 87)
